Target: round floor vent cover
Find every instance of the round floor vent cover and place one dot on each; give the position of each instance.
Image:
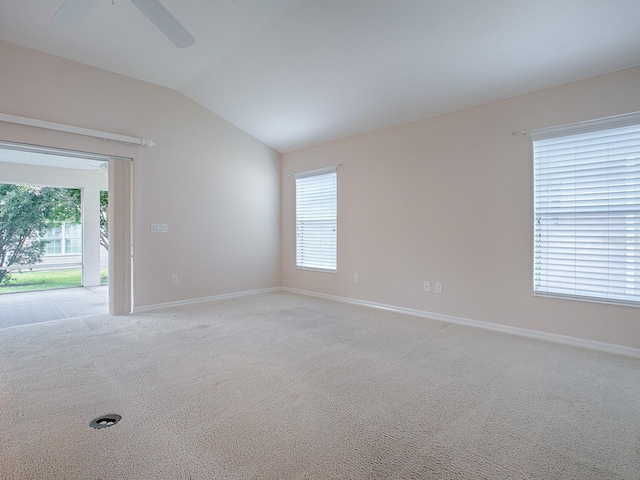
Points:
(105, 421)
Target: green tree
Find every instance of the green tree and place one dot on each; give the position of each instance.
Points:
(25, 211)
(104, 224)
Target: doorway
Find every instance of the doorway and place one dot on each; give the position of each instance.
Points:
(85, 243)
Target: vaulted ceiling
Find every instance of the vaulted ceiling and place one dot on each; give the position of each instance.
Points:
(295, 73)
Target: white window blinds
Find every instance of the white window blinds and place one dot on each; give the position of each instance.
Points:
(587, 214)
(316, 220)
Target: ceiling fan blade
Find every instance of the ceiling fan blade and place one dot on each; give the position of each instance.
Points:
(166, 22)
(72, 11)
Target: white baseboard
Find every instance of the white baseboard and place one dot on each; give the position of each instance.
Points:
(192, 301)
(523, 332)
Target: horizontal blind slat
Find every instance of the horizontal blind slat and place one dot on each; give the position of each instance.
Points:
(587, 214)
(316, 221)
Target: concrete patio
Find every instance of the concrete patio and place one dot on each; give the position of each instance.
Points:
(34, 307)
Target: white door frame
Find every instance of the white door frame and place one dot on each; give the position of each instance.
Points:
(120, 220)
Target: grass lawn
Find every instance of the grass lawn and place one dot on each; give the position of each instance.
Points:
(104, 275)
(31, 281)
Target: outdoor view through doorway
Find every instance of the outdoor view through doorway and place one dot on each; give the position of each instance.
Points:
(53, 236)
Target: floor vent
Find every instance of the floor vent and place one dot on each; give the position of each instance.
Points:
(105, 421)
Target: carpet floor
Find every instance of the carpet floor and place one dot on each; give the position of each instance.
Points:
(286, 386)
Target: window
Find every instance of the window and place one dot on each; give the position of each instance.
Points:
(316, 220)
(63, 240)
(587, 210)
(54, 242)
(73, 238)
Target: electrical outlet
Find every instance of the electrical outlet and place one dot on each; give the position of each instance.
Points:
(356, 278)
(427, 286)
(438, 287)
(174, 279)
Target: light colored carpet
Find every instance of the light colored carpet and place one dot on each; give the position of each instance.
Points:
(286, 386)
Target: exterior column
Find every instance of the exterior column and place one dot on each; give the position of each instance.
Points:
(90, 237)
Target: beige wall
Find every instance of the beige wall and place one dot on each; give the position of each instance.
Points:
(442, 199)
(216, 186)
(449, 199)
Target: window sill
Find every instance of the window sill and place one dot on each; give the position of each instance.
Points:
(321, 270)
(620, 303)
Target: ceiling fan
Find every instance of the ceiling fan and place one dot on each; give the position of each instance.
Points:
(72, 11)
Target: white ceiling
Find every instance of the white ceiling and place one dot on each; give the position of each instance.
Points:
(51, 160)
(295, 73)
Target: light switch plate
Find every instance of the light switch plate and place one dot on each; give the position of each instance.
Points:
(159, 227)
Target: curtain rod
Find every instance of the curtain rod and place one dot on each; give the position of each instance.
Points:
(317, 170)
(87, 132)
(578, 124)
